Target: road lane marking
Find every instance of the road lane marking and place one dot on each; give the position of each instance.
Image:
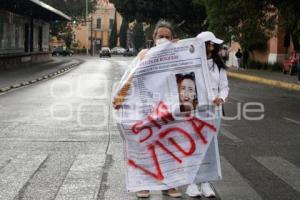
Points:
(17, 172)
(292, 120)
(282, 168)
(236, 99)
(84, 178)
(233, 185)
(229, 135)
(228, 125)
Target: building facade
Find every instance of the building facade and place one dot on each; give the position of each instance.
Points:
(276, 51)
(98, 28)
(24, 31)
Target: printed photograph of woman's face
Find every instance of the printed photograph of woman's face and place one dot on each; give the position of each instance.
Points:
(187, 91)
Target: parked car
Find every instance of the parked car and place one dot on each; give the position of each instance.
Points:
(129, 52)
(117, 50)
(105, 51)
(61, 51)
(290, 64)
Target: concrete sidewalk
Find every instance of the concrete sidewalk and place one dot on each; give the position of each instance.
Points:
(23, 76)
(275, 79)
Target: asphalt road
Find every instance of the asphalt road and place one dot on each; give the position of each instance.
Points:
(58, 140)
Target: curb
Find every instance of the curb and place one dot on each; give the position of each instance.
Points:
(255, 79)
(59, 72)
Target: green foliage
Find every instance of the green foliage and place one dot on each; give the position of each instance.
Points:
(251, 23)
(277, 66)
(138, 36)
(113, 39)
(123, 34)
(73, 8)
(62, 30)
(68, 38)
(188, 15)
(290, 18)
(247, 22)
(287, 40)
(149, 32)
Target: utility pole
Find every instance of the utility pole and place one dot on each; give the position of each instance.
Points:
(116, 27)
(87, 27)
(92, 38)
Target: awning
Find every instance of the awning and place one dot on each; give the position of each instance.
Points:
(34, 8)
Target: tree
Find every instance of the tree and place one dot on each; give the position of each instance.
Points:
(73, 8)
(62, 30)
(289, 15)
(68, 37)
(138, 36)
(149, 32)
(250, 23)
(188, 15)
(113, 39)
(123, 34)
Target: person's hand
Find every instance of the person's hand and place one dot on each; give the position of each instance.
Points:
(218, 101)
(116, 105)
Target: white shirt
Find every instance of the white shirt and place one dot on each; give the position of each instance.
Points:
(219, 81)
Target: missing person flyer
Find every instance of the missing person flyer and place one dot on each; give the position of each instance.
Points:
(168, 124)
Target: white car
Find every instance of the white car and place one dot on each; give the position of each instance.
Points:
(117, 50)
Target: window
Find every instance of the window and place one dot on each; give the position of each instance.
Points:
(12, 32)
(98, 23)
(111, 24)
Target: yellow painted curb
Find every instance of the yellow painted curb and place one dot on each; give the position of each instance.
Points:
(279, 84)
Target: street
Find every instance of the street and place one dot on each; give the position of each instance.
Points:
(58, 139)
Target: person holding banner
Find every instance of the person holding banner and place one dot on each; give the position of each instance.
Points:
(163, 33)
(220, 88)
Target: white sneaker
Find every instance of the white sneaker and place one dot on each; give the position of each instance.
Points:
(143, 194)
(193, 191)
(207, 190)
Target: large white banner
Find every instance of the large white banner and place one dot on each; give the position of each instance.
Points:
(168, 124)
